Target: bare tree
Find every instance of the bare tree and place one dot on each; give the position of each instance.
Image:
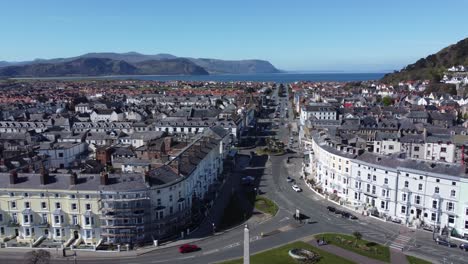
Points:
(37, 257)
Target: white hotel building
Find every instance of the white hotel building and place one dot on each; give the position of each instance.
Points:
(419, 193)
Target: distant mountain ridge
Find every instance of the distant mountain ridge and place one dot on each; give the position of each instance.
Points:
(433, 66)
(103, 66)
(178, 65)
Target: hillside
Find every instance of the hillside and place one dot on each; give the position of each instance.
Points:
(236, 67)
(103, 66)
(170, 67)
(433, 66)
(210, 65)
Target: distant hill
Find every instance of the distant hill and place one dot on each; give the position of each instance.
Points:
(235, 67)
(209, 65)
(103, 66)
(433, 66)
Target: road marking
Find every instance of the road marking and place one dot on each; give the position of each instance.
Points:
(255, 238)
(284, 219)
(232, 245)
(189, 257)
(210, 252)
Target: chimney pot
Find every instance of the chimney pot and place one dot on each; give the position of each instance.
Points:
(13, 176)
(104, 178)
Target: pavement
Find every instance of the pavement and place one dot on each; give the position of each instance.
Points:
(277, 230)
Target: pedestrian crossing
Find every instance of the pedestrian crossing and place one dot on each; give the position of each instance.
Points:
(399, 242)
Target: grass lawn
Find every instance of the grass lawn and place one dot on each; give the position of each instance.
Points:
(266, 205)
(415, 260)
(363, 247)
(280, 256)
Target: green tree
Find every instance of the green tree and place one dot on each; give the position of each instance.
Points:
(387, 101)
(357, 235)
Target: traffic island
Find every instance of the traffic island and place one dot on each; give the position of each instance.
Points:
(415, 260)
(281, 255)
(355, 244)
(266, 205)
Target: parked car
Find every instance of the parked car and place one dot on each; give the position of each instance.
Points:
(187, 248)
(445, 242)
(247, 180)
(337, 211)
(296, 188)
(345, 214)
(463, 246)
(331, 208)
(289, 179)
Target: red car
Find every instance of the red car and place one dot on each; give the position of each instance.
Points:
(187, 248)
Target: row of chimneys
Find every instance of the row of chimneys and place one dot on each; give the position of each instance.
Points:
(44, 177)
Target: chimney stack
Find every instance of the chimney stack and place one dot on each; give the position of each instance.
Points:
(73, 178)
(147, 177)
(104, 178)
(44, 175)
(13, 176)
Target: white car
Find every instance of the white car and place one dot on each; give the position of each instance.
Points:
(296, 188)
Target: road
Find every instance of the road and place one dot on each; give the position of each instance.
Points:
(282, 228)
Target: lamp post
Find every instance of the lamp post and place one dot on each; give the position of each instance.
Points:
(246, 245)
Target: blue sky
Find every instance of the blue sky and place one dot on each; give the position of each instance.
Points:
(349, 35)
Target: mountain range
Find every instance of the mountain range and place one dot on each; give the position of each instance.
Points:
(131, 63)
(433, 66)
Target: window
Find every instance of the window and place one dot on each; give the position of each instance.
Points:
(443, 149)
(451, 219)
(1, 218)
(75, 220)
(56, 219)
(27, 205)
(44, 218)
(87, 196)
(56, 195)
(403, 209)
(437, 180)
(450, 206)
(466, 224)
(386, 180)
(2, 231)
(57, 206)
(374, 178)
(406, 184)
(43, 205)
(42, 195)
(373, 189)
(57, 232)
(420, 187)
(359, 173)
(88, 207)
(403, 196)
(368, 176)
(417, 199)
(454, 183)
(434, 204)
(383, 192)
(28, 232)
(73, 206)
(14, 217)
(60, 155)
(416, 148)
(87, 220)
(453, 193)
(170, 198)
(390, 147)
(382, 204)
(368, 187)
(159, 202)
(433, 217)
(26, 194)
(436, 190)
(72, 196)
(13, 205)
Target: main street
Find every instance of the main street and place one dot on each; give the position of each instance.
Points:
(280, 229)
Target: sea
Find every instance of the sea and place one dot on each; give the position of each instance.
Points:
(263, 77)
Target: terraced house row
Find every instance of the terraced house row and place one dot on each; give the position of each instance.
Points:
(420, 193)
(119, 208)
